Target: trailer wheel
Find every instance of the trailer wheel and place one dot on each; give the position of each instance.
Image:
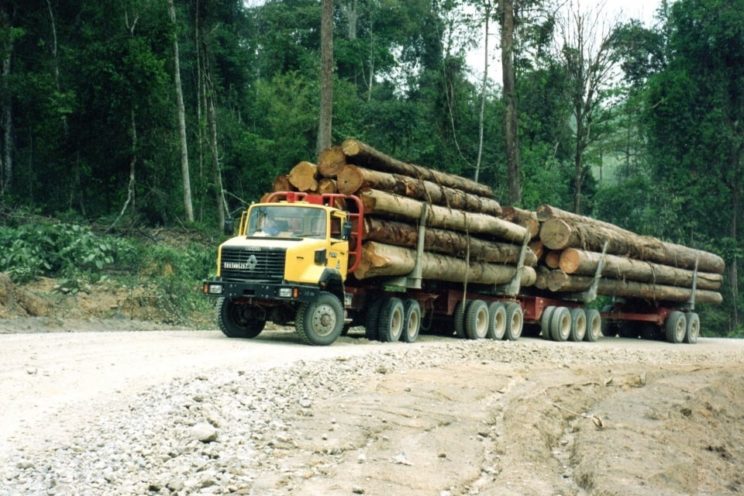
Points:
(545, 321)
(459, 320)
(496, 321)
(239, 321)
(676, 327)
(560, 324)
(321, 321)
(411, 321)
(371, 319)
(578, 324)
(514, 321)
(390, 325)
(476, 320)
(693, 328)
(593, 325)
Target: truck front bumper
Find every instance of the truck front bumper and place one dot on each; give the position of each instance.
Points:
(287, 292)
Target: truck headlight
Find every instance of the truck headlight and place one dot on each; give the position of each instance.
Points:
(215, 289)
(285, 292)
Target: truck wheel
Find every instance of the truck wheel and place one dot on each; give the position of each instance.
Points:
(496, 321)
(578, 324)
(476, 320)
(411, 321)
(593, 325)
(676, 327)
(239, 320)
(560, 324)
(390, 325)
(514, 321)
(693, 328)
(545, 321)
(459, 320)
(371, 319)
(320, 322)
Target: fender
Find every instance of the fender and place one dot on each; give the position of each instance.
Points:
(331, 280)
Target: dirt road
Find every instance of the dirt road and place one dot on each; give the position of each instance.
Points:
(196, 413)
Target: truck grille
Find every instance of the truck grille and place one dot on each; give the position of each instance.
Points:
(266, 264)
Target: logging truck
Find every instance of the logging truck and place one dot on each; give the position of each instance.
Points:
(293, 259)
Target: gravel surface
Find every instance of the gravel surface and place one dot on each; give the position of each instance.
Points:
(361, 418)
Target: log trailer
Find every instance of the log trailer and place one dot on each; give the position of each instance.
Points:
(293, 261)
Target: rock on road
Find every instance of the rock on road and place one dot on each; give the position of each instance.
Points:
(196, 413)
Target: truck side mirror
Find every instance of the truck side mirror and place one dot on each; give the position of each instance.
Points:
(346, 230)
(229, 226)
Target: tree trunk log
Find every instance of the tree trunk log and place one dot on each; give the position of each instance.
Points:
(537, 248)
(559, 281)
(361, 154)
(542, 276)
(281, 183)
(566, 232)
(446, 242)
(581, 262)
(379, 259)
(379, 202)
(552, 259)
(524, 218)
(331, 161)
(326, 185)
(352, 179)
(302, 176)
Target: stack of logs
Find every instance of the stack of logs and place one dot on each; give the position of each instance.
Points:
(467, 239)
(635, 266)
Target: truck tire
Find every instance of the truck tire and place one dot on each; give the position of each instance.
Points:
(371, 319)
(238, 320)
(560, 324)
(593, 325)
(676, 327)
(321, 321)
(578, 324)
(459, 320)
(411, 321)
(476, 320)
(496, 321)
(693, 328)
(390, 325)
(545, 322)
(514, 321)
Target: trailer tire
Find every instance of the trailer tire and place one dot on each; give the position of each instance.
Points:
(545, 321)
(238, 321)
(675, 327)
(476, 320)
(459, 320)
(514, 321)
(390, 325)
(593, 325)
(411, 321)
(560, 324)
(371, 319)
(496, 321)
(320, 322)
(578, 324)
(693, 328)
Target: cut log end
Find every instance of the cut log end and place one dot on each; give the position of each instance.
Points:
(302, 176)
(327, 185)
(570, 260)
(351, 147)
(331, 161)
(552, 259)
(281, 183)
(349, 180)
(555, 234)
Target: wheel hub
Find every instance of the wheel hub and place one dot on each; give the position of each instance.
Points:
(324, 320)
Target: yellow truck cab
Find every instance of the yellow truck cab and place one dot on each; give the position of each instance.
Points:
(288, 262)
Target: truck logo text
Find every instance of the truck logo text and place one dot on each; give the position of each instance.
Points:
(249, 265)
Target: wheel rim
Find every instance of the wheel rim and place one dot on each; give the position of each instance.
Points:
(481, 323)
(595, 327)
(565, 329)
(680, 327)
(580, 327)
(396, 324)
(323, 320)
(694, 329)
(499, 324)
(413, 324)
(516, 323)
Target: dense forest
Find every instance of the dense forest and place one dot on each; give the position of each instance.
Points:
(178, 112)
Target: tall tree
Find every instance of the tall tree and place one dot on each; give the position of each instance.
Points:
(585, 48)
(510, 102)
(6, 119)
(484, 86)
(325, 124)
(185, 173)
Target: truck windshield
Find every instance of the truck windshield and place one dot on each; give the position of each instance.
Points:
(287, 222)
